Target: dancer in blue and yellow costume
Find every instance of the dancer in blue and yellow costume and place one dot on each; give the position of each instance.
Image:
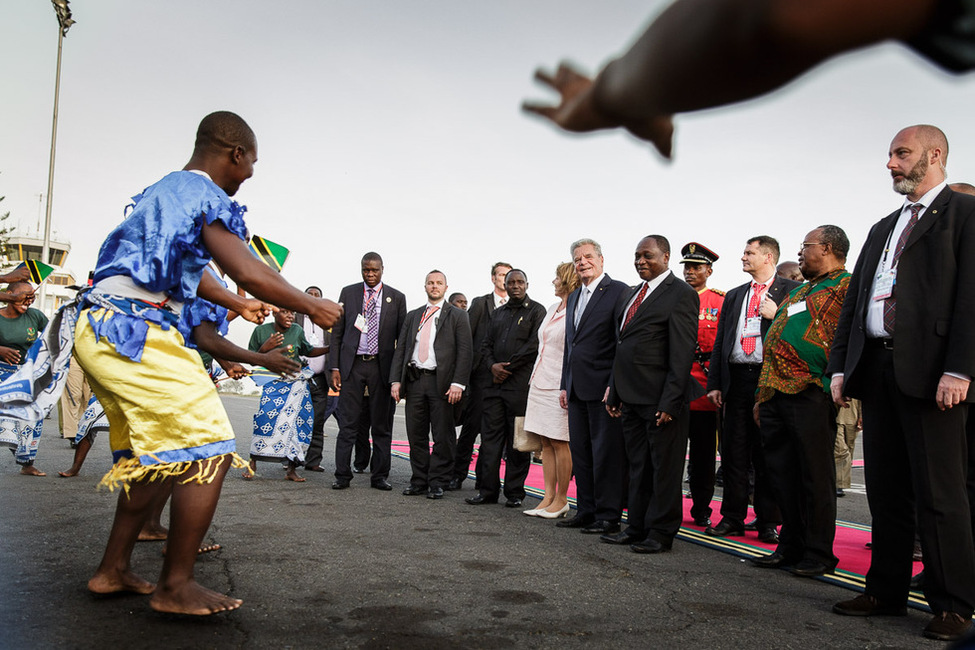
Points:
(168, 429)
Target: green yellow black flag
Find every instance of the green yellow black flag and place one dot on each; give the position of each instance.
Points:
(38, 270)
(274, 255)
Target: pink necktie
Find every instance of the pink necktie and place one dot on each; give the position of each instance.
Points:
(423, 353)
(758, 292)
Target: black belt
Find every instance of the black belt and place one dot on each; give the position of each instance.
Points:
(746, 367)
(886, 344)
(366, 357)
(423, 371)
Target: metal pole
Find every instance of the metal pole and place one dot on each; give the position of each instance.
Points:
(46, 249)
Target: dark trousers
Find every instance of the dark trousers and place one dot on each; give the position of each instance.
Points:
(741, 446)
(916, 459)
(362, 450)
(497, 435)
(364, 374)
(702, 435)
(656, 459)
(598, 460)
(323, 406)
(427, 410)
(471, 421)
(798, 435)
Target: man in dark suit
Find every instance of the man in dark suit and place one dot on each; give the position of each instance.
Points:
(431, 368)
(650, 387)
(509, 351)
(736, 363)
(906, 350)
(595, 439)
(363, 343)
(479, 313)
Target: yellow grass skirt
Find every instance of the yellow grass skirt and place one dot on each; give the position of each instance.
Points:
(165, 417)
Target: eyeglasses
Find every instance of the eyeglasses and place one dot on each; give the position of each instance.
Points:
(812, 243)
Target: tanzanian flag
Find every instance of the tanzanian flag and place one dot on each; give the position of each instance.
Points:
(38, 270)
(274, 255)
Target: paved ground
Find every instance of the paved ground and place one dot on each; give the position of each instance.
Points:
(368, 569)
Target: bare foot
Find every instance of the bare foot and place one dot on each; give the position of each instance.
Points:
(247, 475)
(68, 473)
(192, 599)
(30, 470)
(153, 533)
(115, 583)
(292, 475)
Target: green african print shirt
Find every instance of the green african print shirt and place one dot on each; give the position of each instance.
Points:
(796, 347)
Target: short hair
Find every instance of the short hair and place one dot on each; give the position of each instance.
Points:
(454, 295)
(964, 188)
(566, 273)
(931, 137)
(13, 286)
(767, 245)
(583, 242)
(307, 289)
(837, 240)
(495, 266)
(223, 130)
(373, 257)
(519, 271)
(662, 243)
(429, 273)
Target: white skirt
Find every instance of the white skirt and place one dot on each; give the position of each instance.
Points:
(544, 416)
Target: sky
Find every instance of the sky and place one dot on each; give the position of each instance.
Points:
(395, 126)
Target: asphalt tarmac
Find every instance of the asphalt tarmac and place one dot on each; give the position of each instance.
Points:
(362, 568)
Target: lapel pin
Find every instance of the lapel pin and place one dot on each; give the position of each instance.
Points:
(388, 299)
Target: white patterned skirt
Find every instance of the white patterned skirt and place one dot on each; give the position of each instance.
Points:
(544, 416)
(282, 426)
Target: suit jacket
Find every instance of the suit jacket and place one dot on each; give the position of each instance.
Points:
(719, 376)
(587, 358)
(451, 345)
(513, 337)
(935, 295)
(345, 336)
(479, 312)
(654, 353)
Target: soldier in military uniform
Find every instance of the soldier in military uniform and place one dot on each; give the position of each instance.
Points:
(703, 433)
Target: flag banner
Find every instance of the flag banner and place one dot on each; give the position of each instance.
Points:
(272, 254)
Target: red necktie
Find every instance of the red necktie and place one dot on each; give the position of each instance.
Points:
(631, 312)
(889, 303)
(758, 292)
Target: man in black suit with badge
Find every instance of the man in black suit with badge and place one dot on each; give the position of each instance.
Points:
(736, 363)
(431, 368)
(904, 346)
(361, 354)
(651, 388)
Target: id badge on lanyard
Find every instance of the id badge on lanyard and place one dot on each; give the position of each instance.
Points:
(883, 285)
(753, 327)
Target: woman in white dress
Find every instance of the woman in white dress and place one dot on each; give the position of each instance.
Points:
(544, 415)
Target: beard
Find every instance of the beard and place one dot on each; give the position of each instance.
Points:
(910, 183)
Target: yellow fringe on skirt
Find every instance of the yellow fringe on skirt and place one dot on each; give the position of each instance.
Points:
(129, 470)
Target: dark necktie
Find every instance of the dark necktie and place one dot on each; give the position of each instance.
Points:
(631, 312)
(372, 323)
(890, 304)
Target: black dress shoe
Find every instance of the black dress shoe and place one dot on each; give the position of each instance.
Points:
(752, 525)
(454, 484)
(358, 470)
(576, 522)
(478, 499)
(414, 490)
(768, 535)
(810, 569)
(725, 529)
(864, 605)
(340, 485)
(622, 537)
(840, 493)
(314, 468)
(512, 503)
(650, 545)
(774, 561)
(382, 484)
(601, 528)
(703, 522)
(435, 493)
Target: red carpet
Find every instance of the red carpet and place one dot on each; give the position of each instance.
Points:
(849, 545)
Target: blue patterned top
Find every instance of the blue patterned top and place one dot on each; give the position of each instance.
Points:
(159, 244)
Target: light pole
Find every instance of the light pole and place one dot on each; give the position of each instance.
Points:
(64, 22)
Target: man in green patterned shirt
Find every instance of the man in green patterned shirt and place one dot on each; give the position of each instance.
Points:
(796, 410)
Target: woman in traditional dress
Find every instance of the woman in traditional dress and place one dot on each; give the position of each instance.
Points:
(544, 416)
(20, 325)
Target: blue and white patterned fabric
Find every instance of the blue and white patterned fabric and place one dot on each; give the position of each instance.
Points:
(93, 422)
(21, 436)
(282, 426)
